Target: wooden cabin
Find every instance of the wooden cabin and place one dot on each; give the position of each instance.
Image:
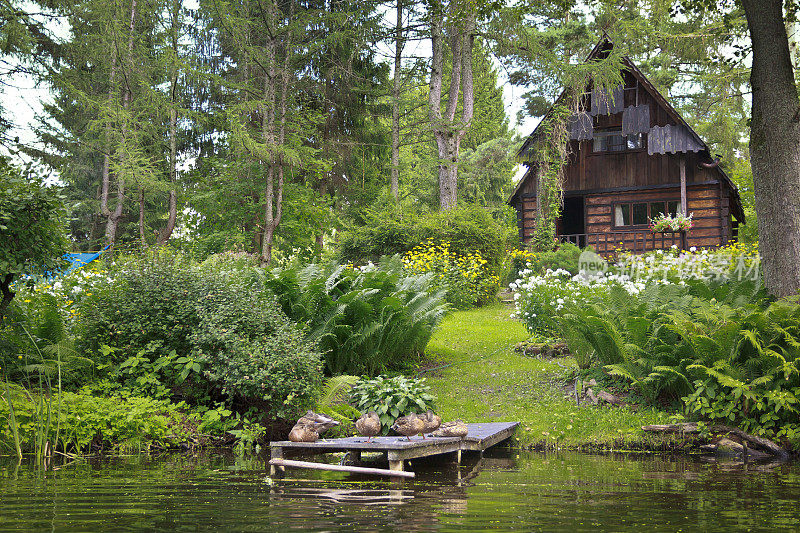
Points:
(631, 157)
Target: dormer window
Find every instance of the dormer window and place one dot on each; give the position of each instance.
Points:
(615, 141)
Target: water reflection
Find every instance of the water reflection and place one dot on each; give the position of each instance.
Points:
(501, 491)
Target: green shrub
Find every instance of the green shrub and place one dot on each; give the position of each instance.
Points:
(398, 228)
(392, 397)
(565, 257)
(131, 423)
(729, 359)
(465, 278)
(364, 320)
(163, 327)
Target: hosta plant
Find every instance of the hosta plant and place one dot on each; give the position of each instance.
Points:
(392, 397)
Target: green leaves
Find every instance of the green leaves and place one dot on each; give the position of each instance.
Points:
(364, 321)
(32, 236)
(392, 397)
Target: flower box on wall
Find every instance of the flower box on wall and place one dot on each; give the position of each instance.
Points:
(671, 223)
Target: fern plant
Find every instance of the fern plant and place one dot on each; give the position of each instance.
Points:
(364, 321)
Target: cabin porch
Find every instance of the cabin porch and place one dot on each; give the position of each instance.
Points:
(635, 241)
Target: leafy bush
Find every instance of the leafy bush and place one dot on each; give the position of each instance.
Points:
(565, 257)
(162, 327)
(465, 279)
(541, 299)
(726, 357)
(399, 228)
(32, 230)
(392, 397)
(82, 419)
(695, 326)
(364, 320)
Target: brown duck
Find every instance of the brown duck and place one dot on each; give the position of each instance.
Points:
(369, 425)
(310, 425)
(302, 432)
(319, 421)
(432, 422)
(456, 428)
(409, 425)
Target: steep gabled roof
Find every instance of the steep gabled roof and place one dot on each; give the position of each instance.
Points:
(600, 51)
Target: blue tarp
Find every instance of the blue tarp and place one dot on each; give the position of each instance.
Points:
(81, 259)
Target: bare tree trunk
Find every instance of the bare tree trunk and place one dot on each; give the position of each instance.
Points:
(398, 56)
(105, 185)
(142, 235)
(166, 232)
(114, 217)
(447, 130)
(274, 188)
(775, 146)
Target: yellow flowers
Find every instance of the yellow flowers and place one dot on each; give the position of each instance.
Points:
(467, 277)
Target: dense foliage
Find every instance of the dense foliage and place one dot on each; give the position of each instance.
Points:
(164, 327)
(32, 224)
(78, 421)
(392, 397)
(466, 279)
(364, 320)
(693, 326)
(564, 257)
(398, 229)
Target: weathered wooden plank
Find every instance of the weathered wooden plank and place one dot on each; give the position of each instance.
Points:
(340, 468)
(636, 119)
(580, 126)
(436, 446)
(703, 204)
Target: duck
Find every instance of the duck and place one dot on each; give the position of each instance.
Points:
(369, 425)
(310, 425)
(432, 422)
(320, 422)
(302, 432)
(409, 425)
(456, 428)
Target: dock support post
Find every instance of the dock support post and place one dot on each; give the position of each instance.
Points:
(274, 470)
(396, 465)
(458, 456)
(355, 455)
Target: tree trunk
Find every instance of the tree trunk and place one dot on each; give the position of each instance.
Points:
(115, 216)
(398, 56)
(8, 295)
(105, 185)
(142, 234)
(273, 208)
(166, 232)
(447, 130)
(775, 146)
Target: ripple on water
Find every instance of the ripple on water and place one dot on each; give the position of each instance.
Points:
(529, 492)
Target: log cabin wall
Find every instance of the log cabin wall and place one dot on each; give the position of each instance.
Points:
(606, 178)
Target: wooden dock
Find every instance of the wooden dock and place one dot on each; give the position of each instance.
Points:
(398, 449)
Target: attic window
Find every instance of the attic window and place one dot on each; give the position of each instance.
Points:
(615, 141)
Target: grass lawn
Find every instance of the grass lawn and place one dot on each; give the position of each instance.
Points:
(482, 379)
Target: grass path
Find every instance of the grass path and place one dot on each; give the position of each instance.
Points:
(481, 379)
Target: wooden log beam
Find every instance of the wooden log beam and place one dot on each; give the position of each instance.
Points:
(340, 468)
(691, 427)
(761, 442)
(688, 427)
(683, 185)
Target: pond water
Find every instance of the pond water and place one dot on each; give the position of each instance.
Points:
(504, 490)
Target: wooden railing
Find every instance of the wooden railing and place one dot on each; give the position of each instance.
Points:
(636, 241)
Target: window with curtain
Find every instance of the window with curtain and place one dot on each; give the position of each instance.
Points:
(639, 213)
